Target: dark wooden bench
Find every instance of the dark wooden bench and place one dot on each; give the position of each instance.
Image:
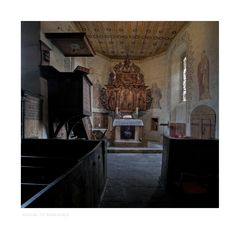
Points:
(190, 169)
(62, 173)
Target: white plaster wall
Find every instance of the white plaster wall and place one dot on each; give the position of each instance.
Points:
(57, 59)
(155, 71)
(99, 66)
(201, 36)
(178, 109)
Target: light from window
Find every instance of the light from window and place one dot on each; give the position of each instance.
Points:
(184, 79)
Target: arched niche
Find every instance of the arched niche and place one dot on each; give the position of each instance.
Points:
(203, 122)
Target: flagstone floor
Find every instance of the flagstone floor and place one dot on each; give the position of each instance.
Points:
(133, 180)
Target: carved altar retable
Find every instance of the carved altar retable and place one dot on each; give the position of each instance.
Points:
(126, 89)
(126, 93)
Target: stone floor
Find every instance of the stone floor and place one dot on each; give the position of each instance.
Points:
(133, 180)
(147, 146)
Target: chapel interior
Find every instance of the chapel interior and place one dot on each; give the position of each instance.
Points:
(119, 114)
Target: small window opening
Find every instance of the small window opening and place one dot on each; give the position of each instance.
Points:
(184, 78)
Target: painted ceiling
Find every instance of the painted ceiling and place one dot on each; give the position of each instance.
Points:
(118, 39)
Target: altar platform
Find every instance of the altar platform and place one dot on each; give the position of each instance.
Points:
(143, 147)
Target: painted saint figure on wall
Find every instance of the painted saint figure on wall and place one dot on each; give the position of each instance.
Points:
(203, 77)
(156, 96)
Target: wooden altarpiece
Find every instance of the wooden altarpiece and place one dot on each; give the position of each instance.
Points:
(126, 91)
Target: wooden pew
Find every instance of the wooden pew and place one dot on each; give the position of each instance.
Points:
(62, 173)
(190, 170)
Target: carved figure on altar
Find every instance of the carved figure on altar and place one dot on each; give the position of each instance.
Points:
(141, 101)
(140, 79)
(111, 101)
(124, 103)
(126, 67)
(126, 100)
(112, 78)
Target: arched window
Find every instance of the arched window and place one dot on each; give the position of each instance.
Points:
(183, 83)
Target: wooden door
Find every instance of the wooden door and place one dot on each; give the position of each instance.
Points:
(206, 129)
(203, 121)
(196, 128)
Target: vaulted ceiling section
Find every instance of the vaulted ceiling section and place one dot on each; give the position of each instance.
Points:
(118, 39)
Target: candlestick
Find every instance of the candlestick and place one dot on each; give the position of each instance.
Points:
(137, 110)
(116, 110)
